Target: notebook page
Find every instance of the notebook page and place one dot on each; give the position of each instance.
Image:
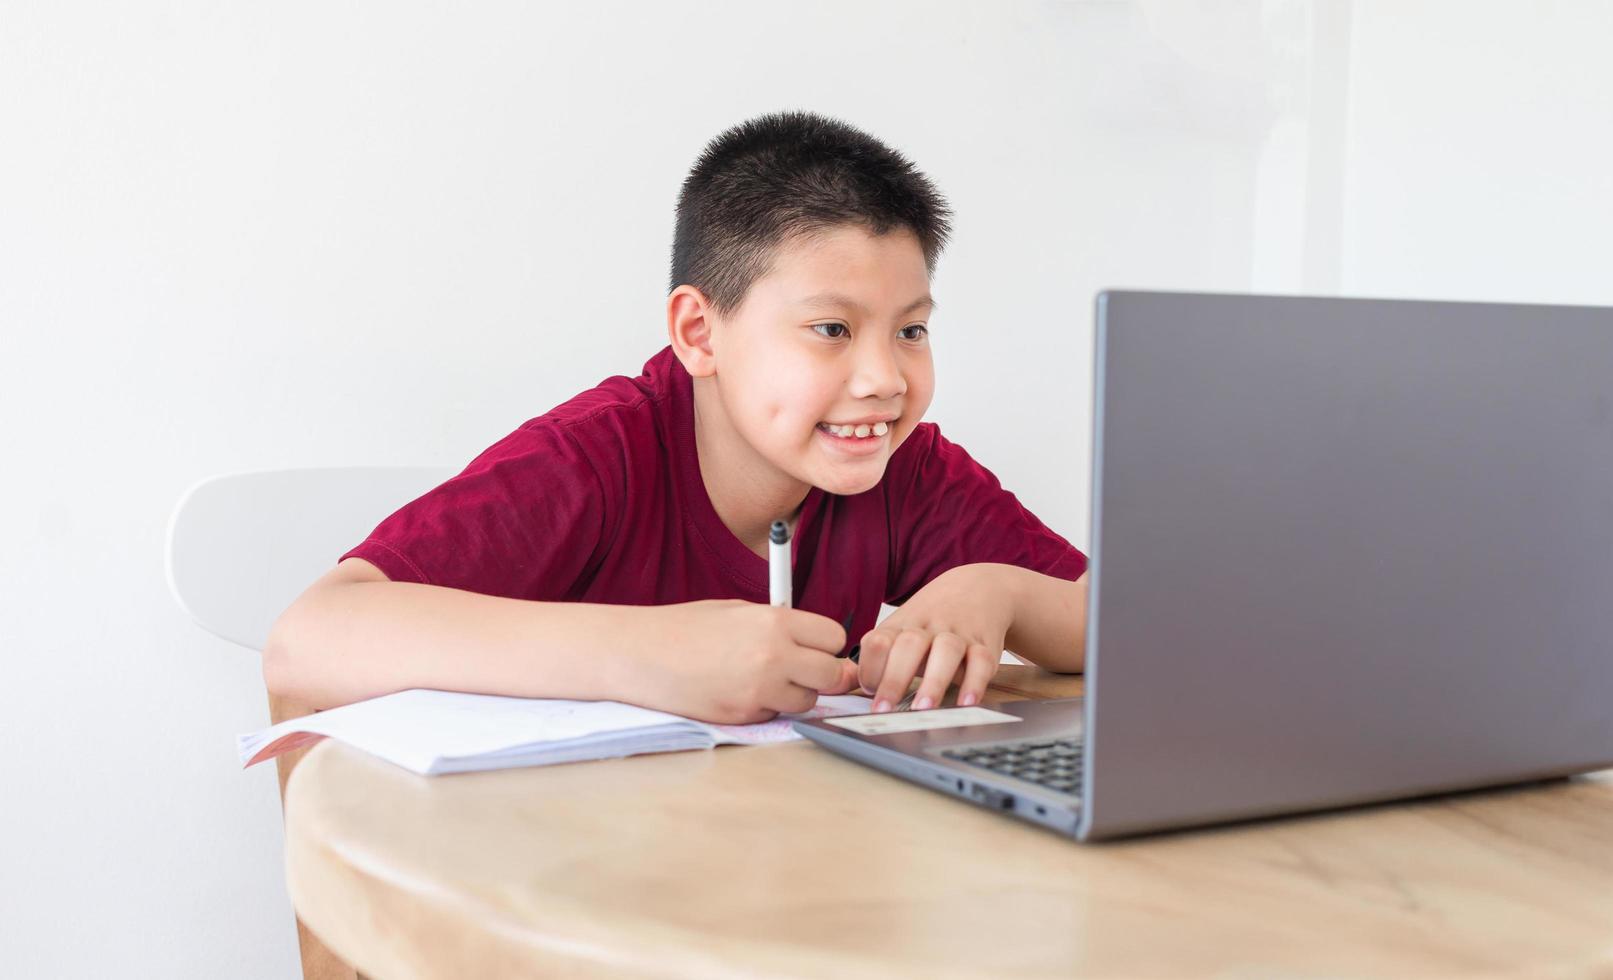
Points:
(415, 728)
(781, 729)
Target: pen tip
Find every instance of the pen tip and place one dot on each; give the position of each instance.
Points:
(779, 533)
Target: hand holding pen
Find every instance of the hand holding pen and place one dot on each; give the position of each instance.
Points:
(781, 587)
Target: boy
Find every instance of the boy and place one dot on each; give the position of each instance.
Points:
(615, 548)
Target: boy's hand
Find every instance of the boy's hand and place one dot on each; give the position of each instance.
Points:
(735, 662)
(952, 629)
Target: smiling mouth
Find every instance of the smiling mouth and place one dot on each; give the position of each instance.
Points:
(865, 432)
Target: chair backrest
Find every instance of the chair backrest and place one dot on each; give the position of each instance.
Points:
(241, 547)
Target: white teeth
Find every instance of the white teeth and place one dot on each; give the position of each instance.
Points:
(857, 431)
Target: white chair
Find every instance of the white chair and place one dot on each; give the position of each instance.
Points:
(241, 547)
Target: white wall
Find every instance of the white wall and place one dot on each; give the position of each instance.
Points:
(1480, 151)
(303, 234)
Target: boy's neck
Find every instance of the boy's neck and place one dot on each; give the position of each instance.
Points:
(747, 491)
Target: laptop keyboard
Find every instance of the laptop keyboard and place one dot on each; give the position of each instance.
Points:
(1051, 762)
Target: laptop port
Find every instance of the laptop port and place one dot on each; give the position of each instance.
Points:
(992, 797)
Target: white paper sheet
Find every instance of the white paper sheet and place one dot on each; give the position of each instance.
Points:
(442, 731)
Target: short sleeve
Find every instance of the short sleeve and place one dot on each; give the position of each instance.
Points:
(524, 520)
(948, 510)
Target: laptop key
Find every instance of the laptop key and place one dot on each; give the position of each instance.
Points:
(1053, 763)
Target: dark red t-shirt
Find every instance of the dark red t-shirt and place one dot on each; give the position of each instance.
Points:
(601, 500)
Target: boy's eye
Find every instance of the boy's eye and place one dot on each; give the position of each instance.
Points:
(822, 327)
(921, 328)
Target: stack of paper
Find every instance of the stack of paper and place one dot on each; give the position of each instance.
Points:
(433, 732)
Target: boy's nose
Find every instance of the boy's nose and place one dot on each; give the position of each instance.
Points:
(877, 375)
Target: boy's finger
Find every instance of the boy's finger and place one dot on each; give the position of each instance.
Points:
(946, 652)
(793, 699)
(979, 667)
(875, 647)
(813, 669)
(812, 630)
(847, 680)
(907, 652)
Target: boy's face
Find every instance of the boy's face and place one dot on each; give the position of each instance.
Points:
(835, 334)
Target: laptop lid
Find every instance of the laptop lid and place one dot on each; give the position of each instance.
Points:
(1344, 551)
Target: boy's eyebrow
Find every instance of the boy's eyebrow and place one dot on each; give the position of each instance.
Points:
(835, 299)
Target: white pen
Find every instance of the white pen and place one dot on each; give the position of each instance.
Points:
(779, 588)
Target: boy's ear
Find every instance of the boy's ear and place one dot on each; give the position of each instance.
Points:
(688, 325)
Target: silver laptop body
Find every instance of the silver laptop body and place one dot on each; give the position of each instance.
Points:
(1342, 551)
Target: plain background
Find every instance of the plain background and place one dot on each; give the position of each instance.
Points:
(239, 237)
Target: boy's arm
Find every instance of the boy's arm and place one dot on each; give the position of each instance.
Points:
(1049, 618)
(355, 634)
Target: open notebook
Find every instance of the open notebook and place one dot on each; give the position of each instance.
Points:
(433, 732)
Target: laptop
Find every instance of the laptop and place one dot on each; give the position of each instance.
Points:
(1343, 551)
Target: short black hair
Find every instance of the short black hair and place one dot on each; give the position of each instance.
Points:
(789, 173)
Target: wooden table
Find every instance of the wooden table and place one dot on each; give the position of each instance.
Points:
(788, 861)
